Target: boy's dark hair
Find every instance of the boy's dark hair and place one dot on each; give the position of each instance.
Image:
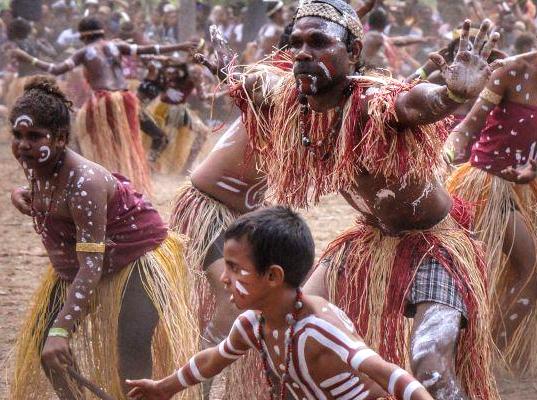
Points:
(46, 103)
(277, 236)
(18, 29)
(378, 19)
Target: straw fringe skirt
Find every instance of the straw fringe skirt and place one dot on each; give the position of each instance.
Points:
(369, 276)
(203, 219)
(165, 280)
(108, 131)
(186, 134)
(493, 198)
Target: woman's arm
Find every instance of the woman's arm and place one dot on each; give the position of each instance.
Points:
(51, 68)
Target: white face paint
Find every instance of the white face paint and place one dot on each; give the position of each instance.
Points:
(385, 193)
(325, 70)
(23, 120)
(241, 289)
(44, 152)
(434, 378)
(244, 273)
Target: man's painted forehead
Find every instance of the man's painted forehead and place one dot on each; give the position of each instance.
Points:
(328, 27)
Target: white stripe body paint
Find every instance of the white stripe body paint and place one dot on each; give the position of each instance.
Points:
(345, 386)
(355, 393)
(335, 379)
(360, 357)
(225, 186)
(181, 378)
(222, 351)
(235, 180)
(195, 371)
(240, 287)
(396, 374)
(411, 388)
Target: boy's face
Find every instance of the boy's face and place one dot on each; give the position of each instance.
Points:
(240, 277)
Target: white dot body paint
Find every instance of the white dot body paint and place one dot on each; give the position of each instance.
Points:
(518, 88)
(76, 308)
(524, 302)
(513, 317)
(282, 367)
(79, 295)
(276, 350)
(241, 289)
(44, 152)
(385, 193)
(68, 317)
(512, 73)
(275, 334)
(496, 82)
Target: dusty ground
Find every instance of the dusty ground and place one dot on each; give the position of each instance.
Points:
(22, 259)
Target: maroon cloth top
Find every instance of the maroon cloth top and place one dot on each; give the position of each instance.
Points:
(508, 138)
(133, 228)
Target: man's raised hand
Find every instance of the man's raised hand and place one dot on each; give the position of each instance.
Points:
(469, 73)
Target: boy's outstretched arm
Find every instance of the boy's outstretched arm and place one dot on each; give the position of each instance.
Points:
(204, 365)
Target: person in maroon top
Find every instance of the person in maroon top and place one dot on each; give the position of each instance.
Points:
(496, 142)
(113, 264)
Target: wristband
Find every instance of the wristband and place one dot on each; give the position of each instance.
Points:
(34, 61)
(58, 332)
(422, 74)
(157, 49)
(457, 99)
(82, 247)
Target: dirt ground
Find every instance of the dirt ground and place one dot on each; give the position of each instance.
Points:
(22, 259)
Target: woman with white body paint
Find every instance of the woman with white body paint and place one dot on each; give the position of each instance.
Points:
(107, 126)
(308, 345)
(497, 144)
(108, 292)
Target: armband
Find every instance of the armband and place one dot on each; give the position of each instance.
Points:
(457, 99)
(90, 247)
(157, 49)
(58, 332)
(488, 95)
(422, 74)
(134, 49)
(34, 61)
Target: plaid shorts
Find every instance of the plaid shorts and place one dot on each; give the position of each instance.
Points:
(433, 283)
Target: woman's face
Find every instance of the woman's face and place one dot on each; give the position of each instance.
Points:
(34, 147)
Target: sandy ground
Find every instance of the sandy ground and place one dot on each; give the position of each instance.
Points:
(22, 259)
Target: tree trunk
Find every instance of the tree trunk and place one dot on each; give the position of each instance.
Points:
(187, 20)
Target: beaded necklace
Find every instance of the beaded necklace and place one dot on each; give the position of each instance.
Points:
(291, 320)
(321, 145)
(40, 227)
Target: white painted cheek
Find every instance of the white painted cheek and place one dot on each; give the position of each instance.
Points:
(241, 289)
(325, 70)
(45, 154)
(244, 273)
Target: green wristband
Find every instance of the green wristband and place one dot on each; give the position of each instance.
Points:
(457, 99)
(422, 74)
(58, 332)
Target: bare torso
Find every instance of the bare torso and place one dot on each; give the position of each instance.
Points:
(229, 175)
(102, 65)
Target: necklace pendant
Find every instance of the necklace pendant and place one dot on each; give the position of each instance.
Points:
(306, 142)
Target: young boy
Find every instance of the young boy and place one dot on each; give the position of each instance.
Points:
(308, 343)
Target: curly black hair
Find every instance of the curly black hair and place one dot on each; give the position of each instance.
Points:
(46, 103)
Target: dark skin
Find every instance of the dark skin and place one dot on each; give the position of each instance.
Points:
(80, 193)
(102, 61)
(515, 72)
(270, 294)
(394, 208)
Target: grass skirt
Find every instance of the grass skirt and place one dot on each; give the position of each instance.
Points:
(166, 281)
(185, 132)
(493, 197)
(370, 275)
(108, 132)
(203, 219)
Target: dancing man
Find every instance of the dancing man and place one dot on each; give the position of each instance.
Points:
(324, 129)
(107, 126)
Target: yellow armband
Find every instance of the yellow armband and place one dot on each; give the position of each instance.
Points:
(90, 247)
(490, 96)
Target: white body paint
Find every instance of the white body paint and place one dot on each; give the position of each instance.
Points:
(45, 154)
(385, 193)
(23, 120)
(241, 289)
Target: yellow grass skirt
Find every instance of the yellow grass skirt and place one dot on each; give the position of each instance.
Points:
(203, 219)
(185, 132)
(176, 338)
(108, 131)
(492, 197)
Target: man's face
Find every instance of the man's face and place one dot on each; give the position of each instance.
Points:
(246, 287)
(171, 18)
(320, 54)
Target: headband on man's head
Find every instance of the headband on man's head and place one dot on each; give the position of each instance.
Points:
(91, 33)
(332, 10)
